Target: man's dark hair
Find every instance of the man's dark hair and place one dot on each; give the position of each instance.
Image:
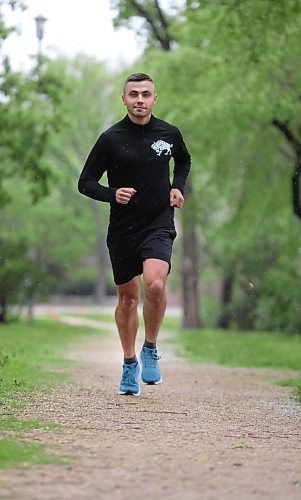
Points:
(137, 77)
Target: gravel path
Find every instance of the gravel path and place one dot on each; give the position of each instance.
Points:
(207, 432)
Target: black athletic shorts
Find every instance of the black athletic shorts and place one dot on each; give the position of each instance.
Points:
(127, 255)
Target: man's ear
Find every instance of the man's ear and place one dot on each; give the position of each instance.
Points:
(122, 98)
(156, 97)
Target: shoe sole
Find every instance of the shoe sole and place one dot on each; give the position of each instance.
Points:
(128, 393)
(151, 382)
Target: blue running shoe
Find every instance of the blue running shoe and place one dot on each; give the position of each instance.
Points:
(129, 382)
(151, 373)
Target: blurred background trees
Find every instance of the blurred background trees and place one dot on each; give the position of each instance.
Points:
(228, 74)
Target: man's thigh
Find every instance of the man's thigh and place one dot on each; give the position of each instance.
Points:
(129, 290)
(128, 257)
(126, 261)
(155, 269)
(156, 252)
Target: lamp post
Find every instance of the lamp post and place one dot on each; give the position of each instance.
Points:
(40, 22)
(31, 281)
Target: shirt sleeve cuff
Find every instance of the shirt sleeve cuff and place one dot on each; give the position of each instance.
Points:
(178, 185)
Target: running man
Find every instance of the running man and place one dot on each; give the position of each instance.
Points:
(135, 153)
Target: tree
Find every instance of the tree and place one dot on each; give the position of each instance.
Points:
(155, 21)
(247, 52)
(88, 112)
(232, 86)
(260, 40)
(284, 127)
(31, 110)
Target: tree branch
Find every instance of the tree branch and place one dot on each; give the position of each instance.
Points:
(287, 132)
(164, 24)
(296, 177)
(296, 190)
(164, 42)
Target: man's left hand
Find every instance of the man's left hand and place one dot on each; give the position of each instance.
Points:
(176, 198)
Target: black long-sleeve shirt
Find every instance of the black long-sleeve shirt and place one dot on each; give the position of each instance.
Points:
(136, 156)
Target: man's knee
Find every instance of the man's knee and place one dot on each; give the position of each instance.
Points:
(154, 288)
(128, 302)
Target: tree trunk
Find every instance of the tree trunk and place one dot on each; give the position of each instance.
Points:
(102, 256)
(226, 296)
(157, 23)
(296, 195)
(190, 280)
(296, 144)
(100, 291)
(3, 308)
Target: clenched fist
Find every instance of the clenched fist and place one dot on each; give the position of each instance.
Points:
(123, 195)
(176, 198)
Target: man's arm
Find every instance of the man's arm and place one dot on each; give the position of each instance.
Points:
(94, 168)
(182, 164)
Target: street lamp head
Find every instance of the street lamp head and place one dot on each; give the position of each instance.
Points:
(40, 21)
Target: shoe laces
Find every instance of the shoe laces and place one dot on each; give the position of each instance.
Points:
(128, 375)
(151, 357)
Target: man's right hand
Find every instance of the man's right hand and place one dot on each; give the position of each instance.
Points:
(123, 195)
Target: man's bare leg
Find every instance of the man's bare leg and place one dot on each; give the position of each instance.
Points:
(126, 315)
(155, 277)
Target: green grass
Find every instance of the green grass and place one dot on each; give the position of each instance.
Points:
(9, 423)
(234, 348)
(241, 349)
(106, 317)
(295, 383)
(169, 322)
(30, 353)
(172, 323)
(13, 453)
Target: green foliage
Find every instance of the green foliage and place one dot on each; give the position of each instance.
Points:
(169, 322)
(293, 382)
(251, 349)
(241, 446)
(235, 70)
(241, 181)
(13, 270)
(150, 21)
(14, 453)
(31, 112)
(5, 4)
(9, 422)
(82, 221)
(57, 235)
(26, 348)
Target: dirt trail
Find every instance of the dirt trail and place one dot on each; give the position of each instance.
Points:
(206, 433)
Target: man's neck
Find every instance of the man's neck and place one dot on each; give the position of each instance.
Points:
(140, 120)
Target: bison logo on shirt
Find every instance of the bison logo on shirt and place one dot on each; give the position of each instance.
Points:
(160, 146)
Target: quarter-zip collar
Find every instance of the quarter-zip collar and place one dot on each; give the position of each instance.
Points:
(137, 126)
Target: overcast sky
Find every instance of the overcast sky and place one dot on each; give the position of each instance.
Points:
(71, 27)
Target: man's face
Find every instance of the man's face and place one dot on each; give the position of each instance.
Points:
(139, 98)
